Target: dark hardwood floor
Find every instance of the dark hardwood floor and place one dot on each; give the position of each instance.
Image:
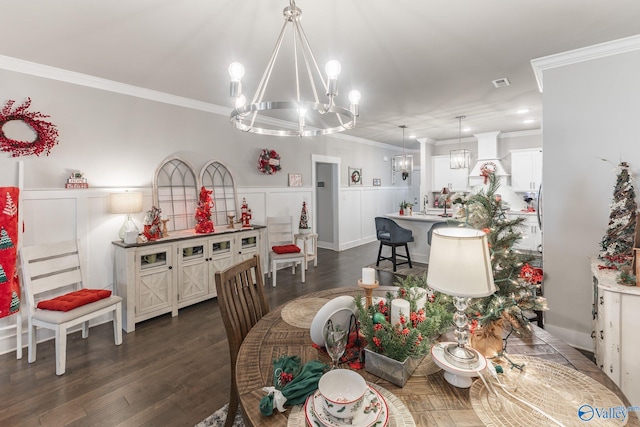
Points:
(168, 372)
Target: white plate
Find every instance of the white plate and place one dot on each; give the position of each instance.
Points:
(334, 310)
(377, 412)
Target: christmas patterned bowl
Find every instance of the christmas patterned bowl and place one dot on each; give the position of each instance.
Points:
(342, 392)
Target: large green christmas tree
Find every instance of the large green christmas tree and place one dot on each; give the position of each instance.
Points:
(516, 292)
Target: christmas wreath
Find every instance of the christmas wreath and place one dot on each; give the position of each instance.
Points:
(269, 162)
(486, 169)
(46, 133)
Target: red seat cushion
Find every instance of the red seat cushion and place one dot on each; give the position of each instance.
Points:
(285, 249)
(73, 300)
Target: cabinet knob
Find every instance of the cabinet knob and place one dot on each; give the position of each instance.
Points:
(601, 300)
(593, 334)
(170, 267)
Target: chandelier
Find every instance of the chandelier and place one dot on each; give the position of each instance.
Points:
(404, 163)
(459, 159)
(297, 114)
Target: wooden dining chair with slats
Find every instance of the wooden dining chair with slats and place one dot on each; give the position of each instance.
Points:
(242, 303)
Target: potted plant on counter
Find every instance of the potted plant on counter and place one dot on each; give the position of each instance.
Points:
(403, 205)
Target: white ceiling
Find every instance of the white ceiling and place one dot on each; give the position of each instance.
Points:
(417, 62)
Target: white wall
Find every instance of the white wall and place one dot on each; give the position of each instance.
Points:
(117, 137)
(591, 110)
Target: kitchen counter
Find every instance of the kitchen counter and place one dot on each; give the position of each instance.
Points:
(419, 224)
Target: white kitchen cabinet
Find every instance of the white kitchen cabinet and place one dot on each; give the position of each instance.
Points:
(165, 275)
(444, 176)
(531, 233)
(616, 313)
(526, 169)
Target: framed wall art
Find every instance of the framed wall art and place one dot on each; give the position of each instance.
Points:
(355, 176)
(295, 180)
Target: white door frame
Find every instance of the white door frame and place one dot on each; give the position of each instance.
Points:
(315, 159)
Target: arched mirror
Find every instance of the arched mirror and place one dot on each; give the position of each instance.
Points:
(215, 176)
(176, 193)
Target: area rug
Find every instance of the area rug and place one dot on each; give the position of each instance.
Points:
(401, 270)
(219, 417)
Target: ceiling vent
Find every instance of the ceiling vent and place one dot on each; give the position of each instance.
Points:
(501, 82)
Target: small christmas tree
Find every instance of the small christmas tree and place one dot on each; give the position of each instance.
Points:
(15, 303)
(3, 275)
(10, 208)
(617, 243)
(515, 292)
(304, 219)
(203, 212)
(5, 240)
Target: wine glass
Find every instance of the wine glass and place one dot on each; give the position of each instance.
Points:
(335, 339)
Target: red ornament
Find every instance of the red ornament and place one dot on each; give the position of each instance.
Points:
(531, 274)
(46, 133)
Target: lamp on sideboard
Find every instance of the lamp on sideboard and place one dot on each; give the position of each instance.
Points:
(460, 266)
(126, 203)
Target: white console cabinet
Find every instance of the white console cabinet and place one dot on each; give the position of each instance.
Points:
(165, 275)
(616, 314)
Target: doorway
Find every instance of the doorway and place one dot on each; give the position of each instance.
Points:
(326, 185)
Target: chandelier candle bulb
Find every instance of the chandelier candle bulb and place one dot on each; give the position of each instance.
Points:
(368, 276)
(399, 307)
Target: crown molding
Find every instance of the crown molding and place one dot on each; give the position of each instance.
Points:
(602, 50)
(59, 74)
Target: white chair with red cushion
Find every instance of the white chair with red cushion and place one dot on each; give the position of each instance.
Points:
(57, 299)
(282, 248)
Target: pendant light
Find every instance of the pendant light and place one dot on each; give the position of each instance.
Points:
(459, 159)
(404, 163)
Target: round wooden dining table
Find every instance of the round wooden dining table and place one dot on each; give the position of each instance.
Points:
(430, 400)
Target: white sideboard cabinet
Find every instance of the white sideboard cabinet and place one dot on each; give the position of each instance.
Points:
(165, 275)
(616, 315)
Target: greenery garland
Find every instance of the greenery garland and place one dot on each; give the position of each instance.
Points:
(46, 133)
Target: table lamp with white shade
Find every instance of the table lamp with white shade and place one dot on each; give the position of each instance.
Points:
(126, 203)
(460, 266)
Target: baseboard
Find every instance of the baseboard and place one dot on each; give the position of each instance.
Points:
(573, 338)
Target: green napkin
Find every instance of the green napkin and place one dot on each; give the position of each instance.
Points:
(293, 383)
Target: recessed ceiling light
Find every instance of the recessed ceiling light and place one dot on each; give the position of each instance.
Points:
(527, 121)
(523, 111)
(466, 129)
(412, 137)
